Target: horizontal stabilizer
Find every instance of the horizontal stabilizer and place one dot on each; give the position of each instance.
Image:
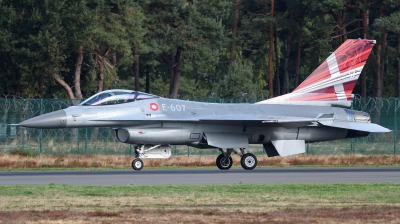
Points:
(227, 140)
(289, 147)
(367, 127)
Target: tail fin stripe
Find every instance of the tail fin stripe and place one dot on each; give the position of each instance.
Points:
(333, 65)
(339, 89)
(320, 74)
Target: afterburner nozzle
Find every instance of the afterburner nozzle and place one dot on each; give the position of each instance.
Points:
(56, 119)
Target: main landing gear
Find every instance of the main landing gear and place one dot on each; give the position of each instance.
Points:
(224, 160)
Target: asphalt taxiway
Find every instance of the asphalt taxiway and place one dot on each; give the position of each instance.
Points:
(203, 176)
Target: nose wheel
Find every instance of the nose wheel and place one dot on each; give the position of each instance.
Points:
(137, 164)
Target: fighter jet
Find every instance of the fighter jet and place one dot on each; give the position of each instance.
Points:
(282, 124)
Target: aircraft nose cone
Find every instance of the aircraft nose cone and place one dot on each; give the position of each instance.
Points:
(56, 119)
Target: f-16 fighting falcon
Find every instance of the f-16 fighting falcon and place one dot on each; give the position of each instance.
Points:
(282, 124)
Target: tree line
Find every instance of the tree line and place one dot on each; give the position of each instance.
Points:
(188, 48)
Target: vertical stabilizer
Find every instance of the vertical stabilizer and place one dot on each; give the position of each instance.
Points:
(332, 83)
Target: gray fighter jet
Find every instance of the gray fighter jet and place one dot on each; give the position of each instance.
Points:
(282, 124)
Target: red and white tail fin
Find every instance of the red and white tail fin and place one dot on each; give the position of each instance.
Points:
(332, 83)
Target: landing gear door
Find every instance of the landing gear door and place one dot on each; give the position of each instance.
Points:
(227, 140)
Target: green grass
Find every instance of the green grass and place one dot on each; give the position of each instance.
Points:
(237, 203)
(386, 193)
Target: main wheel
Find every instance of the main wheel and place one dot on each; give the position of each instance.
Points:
(137, 164)
(248, 161)
(224, 163)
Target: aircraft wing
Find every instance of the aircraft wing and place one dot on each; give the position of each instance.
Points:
(323, 119)
(284, 121)
(287, 122)
(261, 119)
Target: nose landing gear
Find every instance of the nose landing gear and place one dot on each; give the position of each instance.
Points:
(137, 164)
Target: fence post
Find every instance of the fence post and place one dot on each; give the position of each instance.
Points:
(77, 140)
(23, 137)
(308, 149)
(352, 139)
(395, 127)
(188, 151)
(352, 146)
(86, 140)
(41, 130)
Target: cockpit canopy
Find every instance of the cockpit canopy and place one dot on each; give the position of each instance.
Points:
(116, 96)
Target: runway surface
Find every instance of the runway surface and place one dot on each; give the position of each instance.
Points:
(203, 176)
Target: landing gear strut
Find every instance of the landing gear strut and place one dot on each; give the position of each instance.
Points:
(224, 160)
(142, 151)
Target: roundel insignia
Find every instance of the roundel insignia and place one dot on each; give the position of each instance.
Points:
(153, 106)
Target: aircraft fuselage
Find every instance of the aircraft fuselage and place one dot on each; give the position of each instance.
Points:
(180, 122)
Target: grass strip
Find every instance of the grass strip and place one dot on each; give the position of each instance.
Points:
(236, 196)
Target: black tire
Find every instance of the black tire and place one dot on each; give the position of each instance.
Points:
(224, 163)
(248, 161)
(137, 164)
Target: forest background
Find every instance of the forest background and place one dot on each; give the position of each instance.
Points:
(188, 48)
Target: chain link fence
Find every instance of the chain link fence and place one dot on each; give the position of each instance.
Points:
(384, 111)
